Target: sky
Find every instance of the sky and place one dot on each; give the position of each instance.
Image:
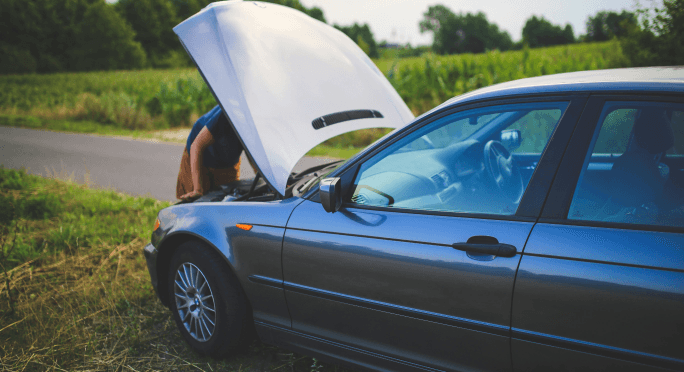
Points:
(397, 20)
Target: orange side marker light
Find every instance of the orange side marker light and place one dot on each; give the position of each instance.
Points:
(244, 226)
(156, 225)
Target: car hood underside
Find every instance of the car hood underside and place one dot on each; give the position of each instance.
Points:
(286, 81)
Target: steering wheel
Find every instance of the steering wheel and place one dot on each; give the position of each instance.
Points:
(502, 170)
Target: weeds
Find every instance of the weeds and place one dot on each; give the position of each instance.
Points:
(7, 245)
(75, 293)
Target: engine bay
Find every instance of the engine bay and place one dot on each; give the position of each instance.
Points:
(256, 189)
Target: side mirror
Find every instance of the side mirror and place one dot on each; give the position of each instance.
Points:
(511, 139)
(330, 191)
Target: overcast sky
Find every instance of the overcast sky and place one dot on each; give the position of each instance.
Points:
(397, 20)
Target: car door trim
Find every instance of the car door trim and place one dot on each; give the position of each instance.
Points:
(473, 325)
(387, 238)
(598, 349)
(342, 346)
(276, 283)
(605, 262)
(613, 225)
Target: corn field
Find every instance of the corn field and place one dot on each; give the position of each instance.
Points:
(153, 99)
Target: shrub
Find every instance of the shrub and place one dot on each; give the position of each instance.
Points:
(36, 207)
(11, 179)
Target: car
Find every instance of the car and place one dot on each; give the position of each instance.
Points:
(534, 225)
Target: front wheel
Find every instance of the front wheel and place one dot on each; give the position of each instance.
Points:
(207, 303)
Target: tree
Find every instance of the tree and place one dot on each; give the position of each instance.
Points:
(459, 33)
(363, 37)
(153, 22)
(660, 39)
(607, 25)
(51, 36)
(538, 32)
(313, 12)
(105, 41)
(186, 8)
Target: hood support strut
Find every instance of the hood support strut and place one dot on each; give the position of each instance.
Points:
(253, 188)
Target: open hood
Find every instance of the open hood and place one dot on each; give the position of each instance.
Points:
(286, 81)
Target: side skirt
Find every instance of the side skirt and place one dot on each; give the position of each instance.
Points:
(331, 351)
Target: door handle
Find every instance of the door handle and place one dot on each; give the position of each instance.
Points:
(486, 245)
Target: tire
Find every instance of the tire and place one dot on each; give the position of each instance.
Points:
(199, 282)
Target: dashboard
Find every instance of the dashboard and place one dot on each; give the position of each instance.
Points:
(453, 179)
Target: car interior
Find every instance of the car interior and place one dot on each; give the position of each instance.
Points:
(635, 172)
(479, 161)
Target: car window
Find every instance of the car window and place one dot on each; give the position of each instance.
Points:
(615, 131)
(536, 127)
(634, 172)
(678, 123)
(449, 133)
(466, 162)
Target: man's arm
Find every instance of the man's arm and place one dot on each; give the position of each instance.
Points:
(203, 140)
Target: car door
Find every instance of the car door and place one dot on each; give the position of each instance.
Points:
(601, 281)
(403, 275)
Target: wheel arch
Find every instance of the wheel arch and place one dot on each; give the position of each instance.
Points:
(168, 247)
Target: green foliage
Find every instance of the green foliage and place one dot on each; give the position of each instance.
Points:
(49, 36)
(11, 179)
(143, 100)
(86, 35)
(387, 50)
(459, 33)
(426, 82)
(16, 60)
(362, 35)
(607, 25)
(313, 12)
(660, 39)
(538, 32)
(153, 22)
(68, 216)
(124, 99)
(179, 100)
(32, 206)
(104, 41)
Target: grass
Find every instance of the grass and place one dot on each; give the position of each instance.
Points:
(74, 289)
(88, 127)
(138, 103)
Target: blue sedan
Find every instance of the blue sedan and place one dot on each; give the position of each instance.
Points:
(535, 225)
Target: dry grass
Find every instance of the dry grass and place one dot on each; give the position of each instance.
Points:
(90, 306)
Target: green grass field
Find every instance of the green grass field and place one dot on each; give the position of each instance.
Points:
(118, 102)
(75, 293)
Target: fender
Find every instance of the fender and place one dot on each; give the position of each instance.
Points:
(254, 252)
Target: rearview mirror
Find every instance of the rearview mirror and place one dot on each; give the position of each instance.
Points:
(511, 139)
(330, 191)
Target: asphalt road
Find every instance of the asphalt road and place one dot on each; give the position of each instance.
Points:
(133, 167)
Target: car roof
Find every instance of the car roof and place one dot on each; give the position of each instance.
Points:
(645, 79)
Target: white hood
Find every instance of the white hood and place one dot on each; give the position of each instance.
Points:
(275, 70)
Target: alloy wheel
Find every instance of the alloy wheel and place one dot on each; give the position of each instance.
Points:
(195, 302)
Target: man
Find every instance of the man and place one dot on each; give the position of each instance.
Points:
(211, 157)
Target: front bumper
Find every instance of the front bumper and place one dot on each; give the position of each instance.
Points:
(151, 257)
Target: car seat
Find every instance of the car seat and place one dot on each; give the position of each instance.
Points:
(637, 177)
